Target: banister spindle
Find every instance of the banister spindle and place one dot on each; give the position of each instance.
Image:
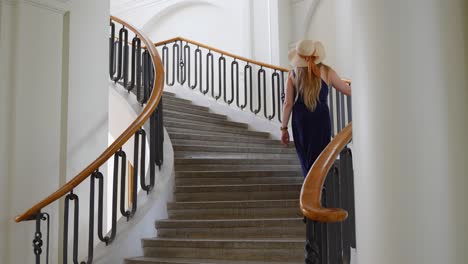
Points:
(221, 77)
(281, 97)
(111, 50)
(275, 83)
(261, 82)
(71, 197)
(209, 73)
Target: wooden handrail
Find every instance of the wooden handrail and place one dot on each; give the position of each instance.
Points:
(221, 52)
(311, 192)
(121, 140)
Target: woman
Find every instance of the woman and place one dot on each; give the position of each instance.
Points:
(306, 96)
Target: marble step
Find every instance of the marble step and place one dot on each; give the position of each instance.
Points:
(212, 131)
(223, 160)
(240, 192)
(258, 209)
(232, 228)
(148, 260)
(205, 121)
(241, 180)
(226, 249)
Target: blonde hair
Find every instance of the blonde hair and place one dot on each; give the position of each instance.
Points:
(311, 86)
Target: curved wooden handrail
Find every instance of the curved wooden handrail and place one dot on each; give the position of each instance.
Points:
(222, 52)
(311, 192)
(121, 140)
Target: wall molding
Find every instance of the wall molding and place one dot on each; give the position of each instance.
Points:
(38, 4)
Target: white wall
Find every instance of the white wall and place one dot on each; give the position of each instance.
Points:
(5, 116)
(410, 131)
(48, 111)
(328, 21)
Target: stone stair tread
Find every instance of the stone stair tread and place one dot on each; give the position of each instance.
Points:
(150, 260)
(207, 121)
(234, 204)
(213, 116)
(220, 159)
(242, 168)
(227, 223)
(211, 127)
(238, 173)
(195, 135)
(232, 242)
(229, 149)
(221, 132)
(168, 93)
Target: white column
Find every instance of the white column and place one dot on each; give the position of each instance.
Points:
(410, 100)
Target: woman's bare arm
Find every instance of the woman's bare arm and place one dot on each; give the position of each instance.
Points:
(339, 84)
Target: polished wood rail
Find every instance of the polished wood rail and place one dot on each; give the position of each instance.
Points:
(225, 53)
(311, 192)
(121, 140)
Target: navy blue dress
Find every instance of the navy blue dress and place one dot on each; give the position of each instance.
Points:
(311, 130)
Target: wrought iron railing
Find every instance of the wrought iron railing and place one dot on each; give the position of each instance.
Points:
(247, 84)
(146, 79)
(328, 187)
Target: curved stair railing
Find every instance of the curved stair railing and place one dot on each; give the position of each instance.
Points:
(235, 80)
(144, 75)
(330, 182)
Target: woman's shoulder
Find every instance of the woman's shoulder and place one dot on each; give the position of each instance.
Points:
(327, 73)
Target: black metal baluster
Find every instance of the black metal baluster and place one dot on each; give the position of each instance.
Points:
(37, 241)
(136, 60)
(146, 76)
(209, 70)
(165, 61)
(338, 113)
(91, 222)
(324, 238)
(248, 75)
(160, 137)
(275, 78)
(98, 176)
(175, 63)
(261, 77)
(115, 181)
(125, 59)
(182, 60)
(342, 112)
(68, 198)
(198, 58)
(234, 82)
(153, 152)
(350, 109)
(111, 51)
(122, 31)
(332, 111)
(123, 181)
(222, 77)
(198, 68)
(281, 96)
(139, 73)
(188, 65)
(313, 254)
(138, 165)
(349, 226)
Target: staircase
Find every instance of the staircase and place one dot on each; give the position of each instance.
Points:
(236, 194)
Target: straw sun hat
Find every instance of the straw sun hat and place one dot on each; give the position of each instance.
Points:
(306, 48)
